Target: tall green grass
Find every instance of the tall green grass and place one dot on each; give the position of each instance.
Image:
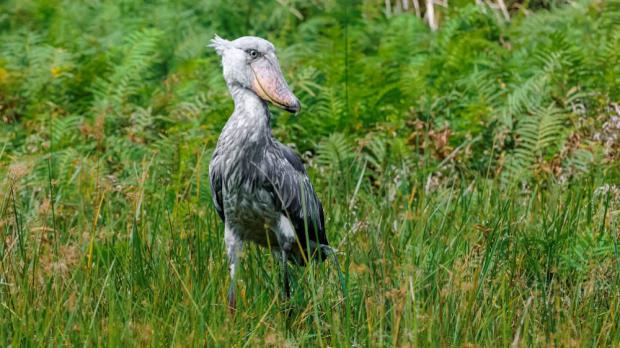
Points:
(143, 263)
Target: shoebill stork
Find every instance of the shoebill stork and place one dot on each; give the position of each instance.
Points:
(260, 188)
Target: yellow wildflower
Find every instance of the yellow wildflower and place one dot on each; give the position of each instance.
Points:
(3, 75)
(56, 71)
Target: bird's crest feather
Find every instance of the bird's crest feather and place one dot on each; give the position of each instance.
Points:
(219, 45)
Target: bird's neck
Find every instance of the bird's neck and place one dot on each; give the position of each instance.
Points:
(248, 103)
(248, 126)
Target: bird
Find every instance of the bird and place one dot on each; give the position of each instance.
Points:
(260, 188)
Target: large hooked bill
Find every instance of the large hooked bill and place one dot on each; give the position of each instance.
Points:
(269, 83)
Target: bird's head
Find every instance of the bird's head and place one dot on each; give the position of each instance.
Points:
(251, 63)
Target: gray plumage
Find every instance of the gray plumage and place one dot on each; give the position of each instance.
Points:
(255, 179)
(259, 186)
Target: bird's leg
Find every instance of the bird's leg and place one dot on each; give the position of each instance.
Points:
(287, 283)
(286, 237)
(232, 297)
(233, 249)
(285, 276)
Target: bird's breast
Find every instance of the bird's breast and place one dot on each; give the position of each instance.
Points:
(249, 204)
(252, 212)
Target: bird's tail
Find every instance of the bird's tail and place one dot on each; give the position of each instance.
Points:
(326, 251)
(317, 253)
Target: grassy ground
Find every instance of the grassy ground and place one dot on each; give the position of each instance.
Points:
(142, 262)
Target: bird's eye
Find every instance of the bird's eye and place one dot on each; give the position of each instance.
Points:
(253, 53)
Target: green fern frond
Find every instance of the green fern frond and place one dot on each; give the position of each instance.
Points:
(64, 129)
(335, 151)
(137, 55)
(536, 134)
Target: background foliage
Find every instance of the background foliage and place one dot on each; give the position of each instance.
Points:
(467, 173)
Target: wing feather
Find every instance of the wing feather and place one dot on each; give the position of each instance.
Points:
(298, 200)
(215, 178)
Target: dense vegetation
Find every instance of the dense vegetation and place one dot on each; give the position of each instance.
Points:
(467, 173)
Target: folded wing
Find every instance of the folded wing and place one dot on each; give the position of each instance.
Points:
(299, 202)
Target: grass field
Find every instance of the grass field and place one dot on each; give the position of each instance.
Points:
(469, 175)
(144, 263)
